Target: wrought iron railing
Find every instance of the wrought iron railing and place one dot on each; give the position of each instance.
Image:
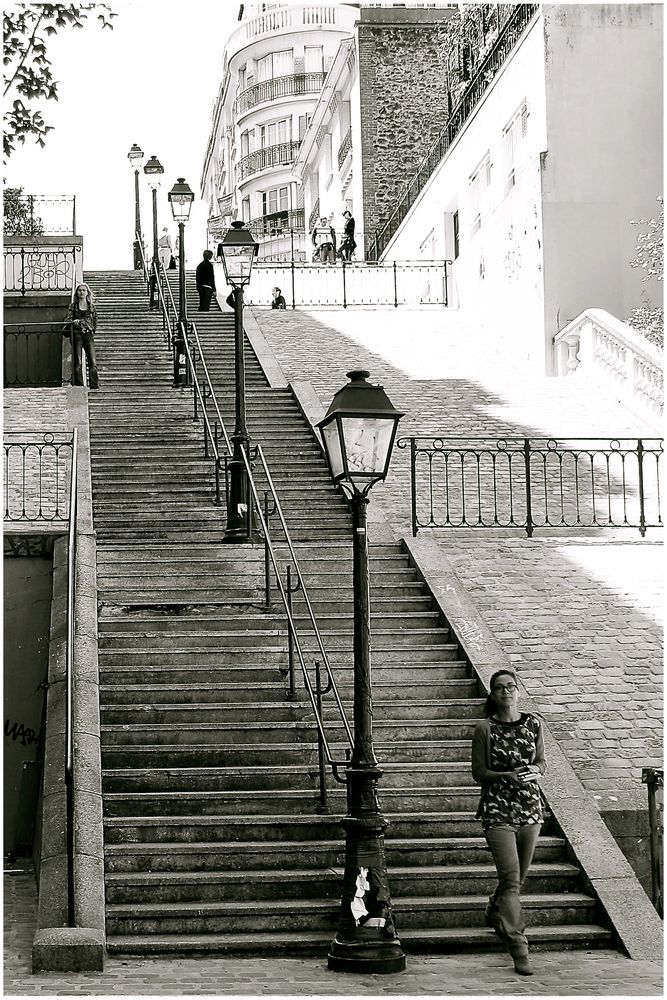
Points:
(32, 354)
(281, 154)
(653, 778)
(400, 283)
(314, 216)
(519, 17)
(280, 86)
(37, 478)
(39, 269)
(263, 504)
(534, 482)
(40, 215)
(278, 223)
(345, 147)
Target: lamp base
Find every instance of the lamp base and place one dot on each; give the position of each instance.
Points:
(366, 953)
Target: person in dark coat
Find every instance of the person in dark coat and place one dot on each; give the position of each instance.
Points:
(278, 299)
(205, 278)
(348, 245)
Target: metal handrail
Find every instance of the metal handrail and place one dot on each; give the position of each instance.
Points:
(144, 265)
(69, 680)
(335, 765)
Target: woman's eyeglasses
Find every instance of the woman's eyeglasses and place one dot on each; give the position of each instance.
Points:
(509, 688)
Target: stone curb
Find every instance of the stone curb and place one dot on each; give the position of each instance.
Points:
(611, 878)
(56, 946)
(267, 359)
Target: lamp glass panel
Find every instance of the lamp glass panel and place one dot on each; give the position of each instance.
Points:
(331, 435)
(367, 443)
(180, 207)
(238, 263)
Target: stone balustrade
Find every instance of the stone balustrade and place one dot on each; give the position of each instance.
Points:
(598, 344)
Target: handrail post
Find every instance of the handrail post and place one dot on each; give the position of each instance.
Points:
(74, 215)
(323, 806)
(290, 649)
(395, 288)
(293, 295)
(653, 778)
(642, 508)
(529, 507)
(344, 288)
(267, 561)
(413, 485)
(446, 289)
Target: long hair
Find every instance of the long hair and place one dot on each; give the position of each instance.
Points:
(491, 705)
(90, 297)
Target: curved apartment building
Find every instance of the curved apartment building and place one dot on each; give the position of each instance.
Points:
(274, 67)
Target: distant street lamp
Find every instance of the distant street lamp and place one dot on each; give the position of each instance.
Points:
(358, 432)
(181, 198)
(136, 158)
(154, 171)
(238, 254)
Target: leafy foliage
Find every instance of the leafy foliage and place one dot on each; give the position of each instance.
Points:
(18, 215)
(28, 74)
(649, 256)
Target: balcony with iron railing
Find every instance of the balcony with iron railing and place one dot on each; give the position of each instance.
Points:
(282, 154)
(277, 223)
(345, 147)
(295, 85)
(513, 21)
(295, 17)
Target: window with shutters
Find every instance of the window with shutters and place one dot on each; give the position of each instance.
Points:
(276, 200)
(478, 184)
(313, 57)
(513, 135)
(271, 135)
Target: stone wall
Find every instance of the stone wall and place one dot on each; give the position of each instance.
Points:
(403, 98)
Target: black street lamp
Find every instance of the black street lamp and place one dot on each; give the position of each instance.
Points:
(238, 254)
(154, 171)
(358, 432)
(136, 158)
(181, 198)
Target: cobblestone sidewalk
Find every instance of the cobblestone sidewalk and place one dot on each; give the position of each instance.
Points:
(598, 973)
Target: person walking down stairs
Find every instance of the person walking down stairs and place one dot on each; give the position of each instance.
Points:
(507, 759)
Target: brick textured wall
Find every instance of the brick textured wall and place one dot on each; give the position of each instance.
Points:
(579, 614)
(403, 103)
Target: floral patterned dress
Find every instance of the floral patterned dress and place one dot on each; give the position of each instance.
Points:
(513, 744)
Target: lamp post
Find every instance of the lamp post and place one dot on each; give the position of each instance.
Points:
(181, 198)
(358, 432)
(238, 254)
(154, 171)
(136, 158)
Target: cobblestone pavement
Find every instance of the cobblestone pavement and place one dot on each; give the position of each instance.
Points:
(597, 973)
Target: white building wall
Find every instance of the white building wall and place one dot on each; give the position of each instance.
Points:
(498, 274)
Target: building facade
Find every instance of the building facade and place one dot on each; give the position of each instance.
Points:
(532, 193)
(274, 67)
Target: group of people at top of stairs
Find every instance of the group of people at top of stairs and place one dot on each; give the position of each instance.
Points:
(323, 238)
(507, 761)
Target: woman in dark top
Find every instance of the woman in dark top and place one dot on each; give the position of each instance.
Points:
(81, 323)
(507, 759)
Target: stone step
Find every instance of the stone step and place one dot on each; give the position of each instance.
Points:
(114, 672)
(143, 755)
(147, 888)
(262, 854)
(410, 911)
(249, 802)
(175, 634)
(310, 942)
(136, 654)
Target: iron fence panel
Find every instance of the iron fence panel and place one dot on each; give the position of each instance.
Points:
(32, 354)
(37, 478)
(44, 269)
(535, 482)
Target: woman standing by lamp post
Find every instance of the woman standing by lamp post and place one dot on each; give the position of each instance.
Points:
(507, 759)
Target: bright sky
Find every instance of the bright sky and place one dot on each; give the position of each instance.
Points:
(152, 80)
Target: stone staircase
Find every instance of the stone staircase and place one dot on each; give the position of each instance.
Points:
(213, 838)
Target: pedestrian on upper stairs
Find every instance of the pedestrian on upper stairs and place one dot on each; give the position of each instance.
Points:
(324, 241)
(278, 301)
(205, 278)
(80, 325)
(507, 760)
(348, 244)
(164, 248)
